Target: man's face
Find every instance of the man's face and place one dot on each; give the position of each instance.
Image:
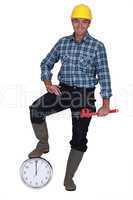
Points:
(80, 26)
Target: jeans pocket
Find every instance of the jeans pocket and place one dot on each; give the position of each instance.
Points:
(91, 105)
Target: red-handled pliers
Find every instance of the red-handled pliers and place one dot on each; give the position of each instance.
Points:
(85, 112)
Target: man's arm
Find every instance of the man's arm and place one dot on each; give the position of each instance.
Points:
(104, 79)
(48, 62)
(47, 65)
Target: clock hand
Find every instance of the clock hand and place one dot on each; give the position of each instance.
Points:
(36, 168)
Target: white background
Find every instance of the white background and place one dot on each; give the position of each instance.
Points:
(28, 30)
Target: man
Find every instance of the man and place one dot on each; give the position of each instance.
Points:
(84, 64)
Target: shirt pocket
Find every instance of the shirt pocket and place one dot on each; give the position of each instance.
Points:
(64, 65)
(65, 59)
(84, 64)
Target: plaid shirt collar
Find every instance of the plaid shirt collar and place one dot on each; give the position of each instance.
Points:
(72, 37)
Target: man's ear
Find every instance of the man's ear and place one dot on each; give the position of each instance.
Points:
(71, 21)
(89, 22)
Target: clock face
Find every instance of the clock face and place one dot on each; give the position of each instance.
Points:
(36, 172)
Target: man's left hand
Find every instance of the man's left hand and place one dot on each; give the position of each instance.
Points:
(103, 111)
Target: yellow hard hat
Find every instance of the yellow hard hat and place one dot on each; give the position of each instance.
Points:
(81, 11)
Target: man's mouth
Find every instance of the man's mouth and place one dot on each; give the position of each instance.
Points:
(79, 30)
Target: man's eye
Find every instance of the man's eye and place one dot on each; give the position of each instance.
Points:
(75, 20)
(85, 21)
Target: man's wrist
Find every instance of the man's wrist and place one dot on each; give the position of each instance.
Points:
(106, 102)
(47, 83)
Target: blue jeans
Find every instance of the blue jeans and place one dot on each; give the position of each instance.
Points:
(71, 97)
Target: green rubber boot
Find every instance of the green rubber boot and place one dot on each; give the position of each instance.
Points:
(73, 162)
(41, 133)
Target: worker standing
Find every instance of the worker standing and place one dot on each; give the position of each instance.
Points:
(83, 65)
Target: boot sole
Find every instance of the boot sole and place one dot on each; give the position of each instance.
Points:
(68, 189)
(38, 156)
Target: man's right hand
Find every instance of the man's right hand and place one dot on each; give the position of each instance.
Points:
(53, 89)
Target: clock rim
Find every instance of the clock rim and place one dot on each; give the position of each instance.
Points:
(21, 170)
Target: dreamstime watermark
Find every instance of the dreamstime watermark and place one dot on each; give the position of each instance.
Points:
(18, 96)
(15, 96)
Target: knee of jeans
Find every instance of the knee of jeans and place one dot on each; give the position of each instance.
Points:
(35, 115)
(81, 131)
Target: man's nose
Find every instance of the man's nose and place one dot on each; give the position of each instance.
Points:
(80, 25)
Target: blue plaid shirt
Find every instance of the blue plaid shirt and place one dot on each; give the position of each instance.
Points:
(83, 64)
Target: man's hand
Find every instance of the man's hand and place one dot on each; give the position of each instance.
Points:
(53, 89)
(104, 110)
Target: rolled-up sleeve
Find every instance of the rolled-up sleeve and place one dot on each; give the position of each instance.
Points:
(102, 71)
(48, 62)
